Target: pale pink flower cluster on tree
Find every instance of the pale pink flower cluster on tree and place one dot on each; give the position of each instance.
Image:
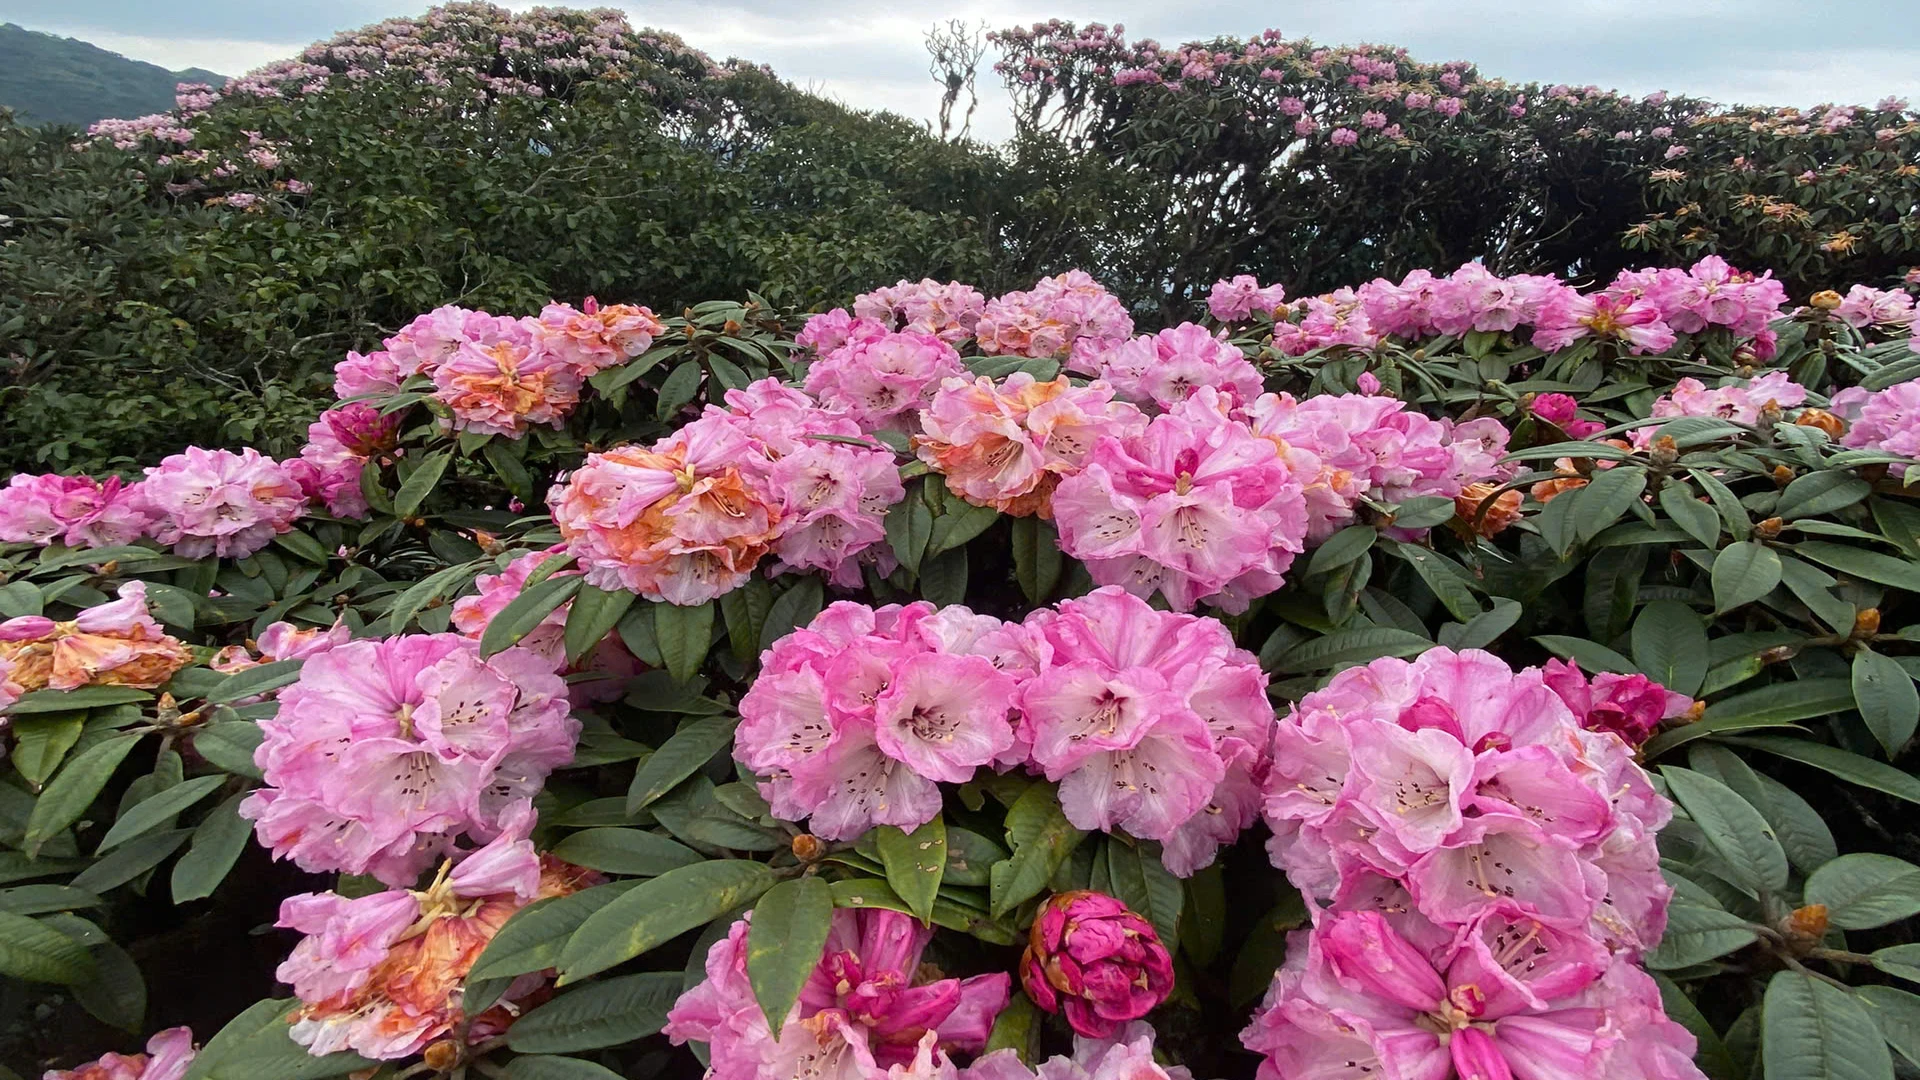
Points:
(1886, 420)
(870, 1010)
(1061, 315)
(876, 377)
(386, 752)
(1126, 1056)
(1235, 299)
(169, 1054)
(77, 511)
(1164, 369)
(690, 517)
(946, 309)
(1007, 444)
(1742, 403)
(216, 502)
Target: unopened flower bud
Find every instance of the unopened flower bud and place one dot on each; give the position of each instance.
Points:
(442, 1056)
(730, 328)
(1805, 926)
(1100, 963)
(808, 848)
(1782, 475)
(1778, 654)
(1822, 419)
(1665, 450)
(1768, 529)
(1825, 300)
(1866, 623)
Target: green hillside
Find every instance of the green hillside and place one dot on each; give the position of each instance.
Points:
(50, 79)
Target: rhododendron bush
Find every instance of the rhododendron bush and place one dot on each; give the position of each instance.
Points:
(1458, 675)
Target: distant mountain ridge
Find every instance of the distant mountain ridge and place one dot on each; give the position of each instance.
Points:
(45, 79)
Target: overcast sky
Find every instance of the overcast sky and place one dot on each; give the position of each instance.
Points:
(869, 53)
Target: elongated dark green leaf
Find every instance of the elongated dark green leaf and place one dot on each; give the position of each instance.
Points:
(943, 577)
(1483, 629)
(116, 994)
(1670, 645)
(1847, 766)
(1016, 1028)
(658, 910)
(1820, 493)
(1778, 705)
(1041, 838)
(533, 938)
(790, 925)
(217, 843)
(1733, 827)
(1342, 548)
(229, 745)
(1695, 934)
(689, 748)
(1744, 572)
(1896, 1013)
(550, 1067)
(1884, 694)
(87, 697)
(1712, 1055)
(1863, 564)
(1556, 521)
(1591, 655)
(1899, 960)
(36, 952)
(744, 610)
(255, 681)
(42, 740)
(1423, 512)
(1696, 517)
(683, 634)
(605, 1013)
(1801, 830)
(130, 860)
(1864, 890)
(1452, 585)
(909, 526)
(1608, 495)
(153, 812)
(1813, 1030)
(915, 863)
(1350, 647)
(420, 483)
(40, 899)
(1037, 560)
(1264, 948)
(64, 800)
(794, 608)
(962, 522)
(1146, 886)
(632, 852)
(255, 1045)
(1738, 523)
(524, 613)
(594, 614)
(428, 589)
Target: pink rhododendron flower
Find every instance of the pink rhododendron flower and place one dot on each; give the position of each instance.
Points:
(1740, 403)
(828, 331)
(869, 1010)
(1400, 783)
(112, 644)
(339, 445)
(1336, 318)
(1630, 706)
(502, 379)
(361, 375)
(1126, 1056)
(593, 338)
(78, 511)
(385, 752)
(216, 502)
(1236, 299)
(431, 339)
(947, 310)
(1195, 506)
(1059, 315)
(857, 717)
(1099, 962)
(1621, 317)
(1007, 445)
(1165, 369)
(881, 381)
(382, 975)
(609, 660)
(1886, 420)
(168, 1055)
(1153, 721)
(1710, 293)
(1869, 307)
(10, 690)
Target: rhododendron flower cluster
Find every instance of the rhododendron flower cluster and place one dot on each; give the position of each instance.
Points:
(384, 974)
(1067, 313)
(280, 641)
(339, 445)
(1619, 317)
(1235, 299)
(593, 338)
(1561, 411)
(1348, 446)
(216, 502)
(867, 1012)
(77, 511)
(1709, 293)
(1127, 1056)
(1099, 962)
(1886, 420)
(503, 378)
(1006, 445)
(608, 661)
(1164, 369)
(112, 644)
(1630, 706)
(1866, 307)
(169, 1054)
(947, 310)
(879, 378)
(1152, 721)
(1195, 505)
(1742, 403)
(856, 718)
(689, 518)
(385, 752)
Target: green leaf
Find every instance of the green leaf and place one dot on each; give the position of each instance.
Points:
(1863, 890)
(1737, 831)
(548, 1067)
(1885, 695)
(632, 852)
(1813, 1030)
(532, 939)
(784, 943)
(943, 579)
(1350, 647)
(1591, 655)
(962, 522)
(1041, 838)
(1712, 1055)
(40, 899)
(744, 610)
(1801, 830)
(682, 755)
(1814, 588)
(1820, 493)
(1732, 512)
(1847, 766)
(1037, 560)
(683, 634)
(217, 843)
(1778, 705)
(524, 613)
(1556, 522)
(255, 1045)
(87, 697)
(606, 1013)
(1697, 934)
(1259, 956)
(1897, 1014)
(1696, 517)
(1423, 512)
(970, 857)
(658, 910)
(1342, 548)
(1016, 1028)
(1451, 584)
(130, 860)
(1145, 885)
(1899, 960)
(116, 995)
(64, 800)
(594, 614)
(420, 483)
(509, 468)
(33, 951)
(157, 810)
(1607, 496)
(1670, 645)
(909, 526)
(256, 681)
(229, 745)
(1742, 573)
(794, 608)
(1483, 629)
(41, 742)
(1862, 564)
(915, 863)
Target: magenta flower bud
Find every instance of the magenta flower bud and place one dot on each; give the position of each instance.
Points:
(1554, 408)
(1100, 963)
(361, 428)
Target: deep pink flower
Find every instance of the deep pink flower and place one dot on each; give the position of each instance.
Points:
(1099, 963)
(76, 510)
(880, 382)
(1887, 420)
(1630, 706)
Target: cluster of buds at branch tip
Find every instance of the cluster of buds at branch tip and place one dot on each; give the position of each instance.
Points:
(1825, 300)
(1768, 529)
(1822, 419)
(1866, 624)
(809, 848)
(1665, 451)
(1804, 928)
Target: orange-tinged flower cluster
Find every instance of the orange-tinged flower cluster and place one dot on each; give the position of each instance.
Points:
(1006, 446)
(116, 644)
(1502, 512)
